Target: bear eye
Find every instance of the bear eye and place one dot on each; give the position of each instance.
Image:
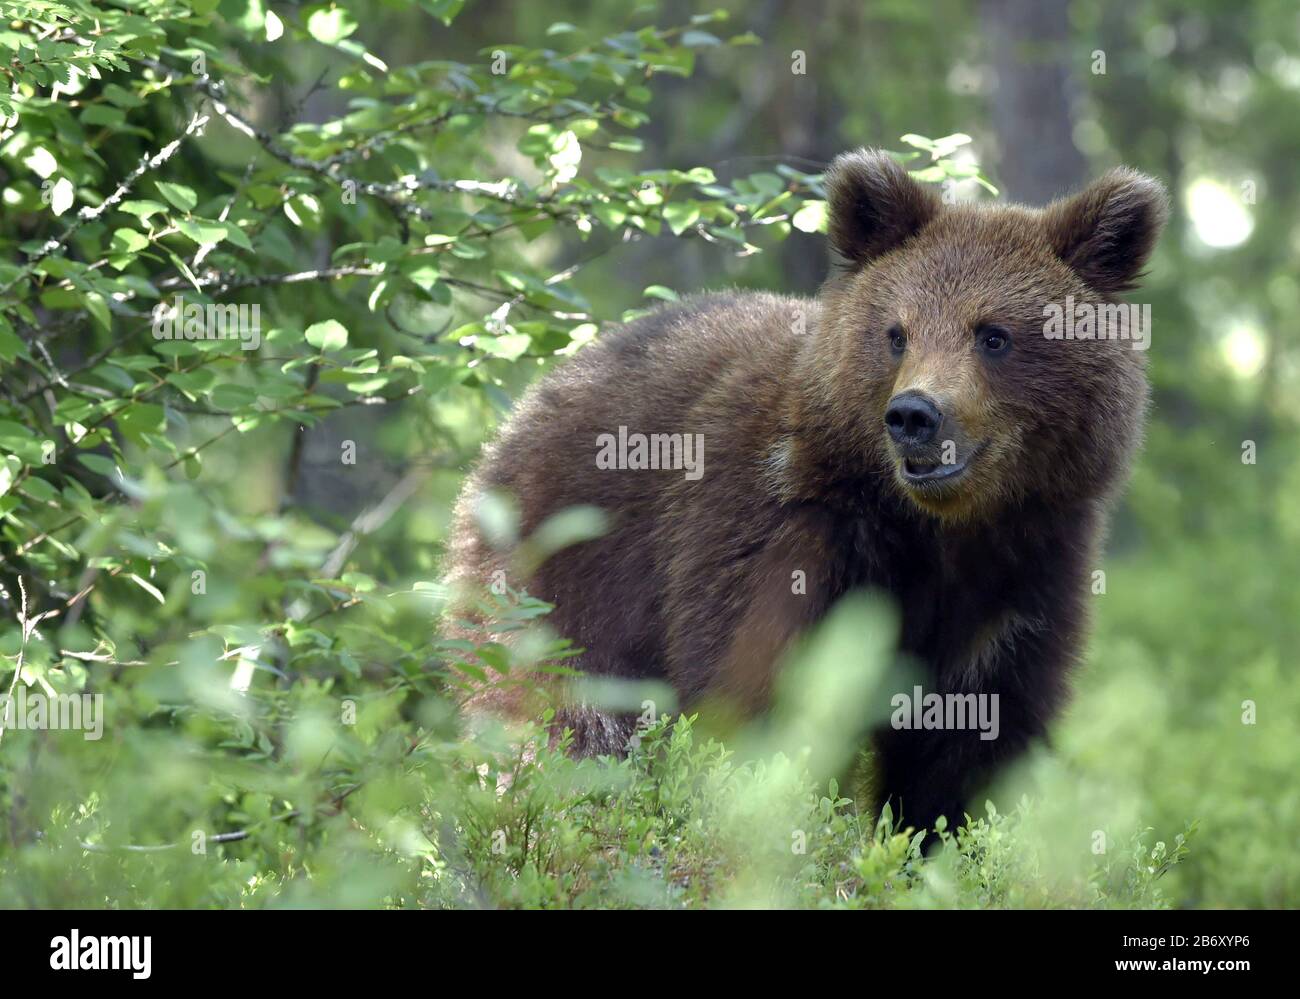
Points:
(994, 339)
(897, 339)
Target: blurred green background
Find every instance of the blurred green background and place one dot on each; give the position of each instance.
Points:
(322, 576)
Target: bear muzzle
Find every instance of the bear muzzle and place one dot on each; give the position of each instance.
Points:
(929, 445)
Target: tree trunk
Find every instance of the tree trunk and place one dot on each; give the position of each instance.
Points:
(1034, 96)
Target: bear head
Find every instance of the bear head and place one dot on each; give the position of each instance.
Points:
(953, 353)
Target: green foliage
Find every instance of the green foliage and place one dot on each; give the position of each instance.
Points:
(277, 726)
(682, 823)
(419, 241)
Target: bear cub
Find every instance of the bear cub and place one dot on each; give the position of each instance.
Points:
(917, 428)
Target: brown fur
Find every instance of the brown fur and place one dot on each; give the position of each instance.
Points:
(692, 582)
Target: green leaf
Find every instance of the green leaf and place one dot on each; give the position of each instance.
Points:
(327, 336)
(202, 233)
(102, 114)
(237, 236)
(330, 25)
(192, 383)
(141, 209)
(228, 396)
(11, 344)
(140, 419)
(681, 215)
(106, 467)
(179, 195)
(61, 196)
(98, 308)
(444, 10)
(129, 241)
(9, 469)
(42, 162)
(699, 39)
(511, 346)
(122, 97)
(811, 217)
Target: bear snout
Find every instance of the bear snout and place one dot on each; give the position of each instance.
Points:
(930, 445)
(913, 419)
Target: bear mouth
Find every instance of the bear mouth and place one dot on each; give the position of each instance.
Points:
(921, 473)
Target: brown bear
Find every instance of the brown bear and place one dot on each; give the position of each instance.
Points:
(917, 428)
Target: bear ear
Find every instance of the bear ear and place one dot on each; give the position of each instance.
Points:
(1108, 230)
(873, 205)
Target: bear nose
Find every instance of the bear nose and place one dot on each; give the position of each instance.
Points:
(912, 418)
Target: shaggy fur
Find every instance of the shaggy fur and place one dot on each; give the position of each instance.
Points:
(990, 571)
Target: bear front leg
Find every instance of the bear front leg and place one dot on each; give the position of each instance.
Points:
(926, 773)
(732, 619)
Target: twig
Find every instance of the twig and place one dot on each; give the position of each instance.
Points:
(146, 164)
(239, 834)
(369, 521)
(28, 625)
